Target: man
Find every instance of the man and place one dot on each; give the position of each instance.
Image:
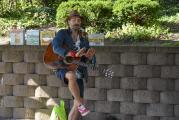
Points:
(77, 46)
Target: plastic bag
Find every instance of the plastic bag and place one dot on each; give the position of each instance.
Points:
(58, 112)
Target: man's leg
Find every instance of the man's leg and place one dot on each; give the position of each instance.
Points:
(73, 87)
(74, 111)
(70, 79)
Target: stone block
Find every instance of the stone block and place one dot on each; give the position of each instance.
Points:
(107, 58)
(0, 56)
(107, 107)
(166, 49)
(160, 59)
(119, 117)
(20, 119)
(176, 109)
(41, 69)
(119, 95)
(122, 70)
(95, 94)
(144, 117)
(146, 71)
(46, 92)
(51, 102)
(169, 97)
(131, 58)
(177, 59)
(5, 67)
(53, 81)
(5, 90)
(22, 90)
(177, 84)
(90, 82)
(158, 84)
(170, 71)
(102, 82)
(6, 112)
(133, 83)
(132, 108)
(12, 79)
(33, 57)
(12, 101)
(34, 102)
(42, 114)
(160, 110)
(23, 68)
(13, 56)
(64, 92)
(95, 116)
(169, 118)
(145, 96)
(35, 80)
(23, 113)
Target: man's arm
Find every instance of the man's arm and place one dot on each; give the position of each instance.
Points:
(57, 44)
(90, 53)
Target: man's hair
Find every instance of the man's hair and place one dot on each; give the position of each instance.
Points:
(73, 13)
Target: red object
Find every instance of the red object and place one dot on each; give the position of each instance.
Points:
(72, 53)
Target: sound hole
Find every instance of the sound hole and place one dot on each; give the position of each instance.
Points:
(68, 59)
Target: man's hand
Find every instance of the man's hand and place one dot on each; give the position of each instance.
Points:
(71, 53)
(80, 53)
(89, 54)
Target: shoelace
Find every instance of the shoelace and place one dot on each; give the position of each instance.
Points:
(82, 107)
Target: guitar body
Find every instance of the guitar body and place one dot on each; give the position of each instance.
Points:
(52, 60)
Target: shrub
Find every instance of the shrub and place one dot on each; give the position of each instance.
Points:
(31, 17)
(41, 15)
(170, 19)
(11, 13)
(97, 14)
(132, 32)
(141, 12)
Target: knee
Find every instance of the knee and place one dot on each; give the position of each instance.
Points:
(70, 76)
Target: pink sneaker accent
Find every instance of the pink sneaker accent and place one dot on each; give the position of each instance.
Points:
(83, 111)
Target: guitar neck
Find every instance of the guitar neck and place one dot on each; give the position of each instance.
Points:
(90, 66)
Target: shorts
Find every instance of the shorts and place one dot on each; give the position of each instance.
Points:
(61, 75)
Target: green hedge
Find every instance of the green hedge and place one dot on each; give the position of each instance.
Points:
(31, 17)
(132, 32)
(141, 12)
(100, 15)
(97, 14)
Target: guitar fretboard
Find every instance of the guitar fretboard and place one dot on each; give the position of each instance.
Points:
(107, 72)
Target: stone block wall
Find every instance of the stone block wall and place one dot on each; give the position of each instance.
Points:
(145, 85)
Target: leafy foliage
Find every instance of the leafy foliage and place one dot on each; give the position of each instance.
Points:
(97, 15)
(169, 12)
(27, 13)
(29, 18)
(140, 12)
(134, 32)
(124, 19)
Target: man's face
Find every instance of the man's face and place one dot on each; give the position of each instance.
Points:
(74, 23)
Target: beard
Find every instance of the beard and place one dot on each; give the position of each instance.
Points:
(75, 27)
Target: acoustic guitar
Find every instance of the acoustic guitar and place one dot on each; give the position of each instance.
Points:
(54, 61)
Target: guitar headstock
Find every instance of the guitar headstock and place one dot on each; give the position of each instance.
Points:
(108, 73)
